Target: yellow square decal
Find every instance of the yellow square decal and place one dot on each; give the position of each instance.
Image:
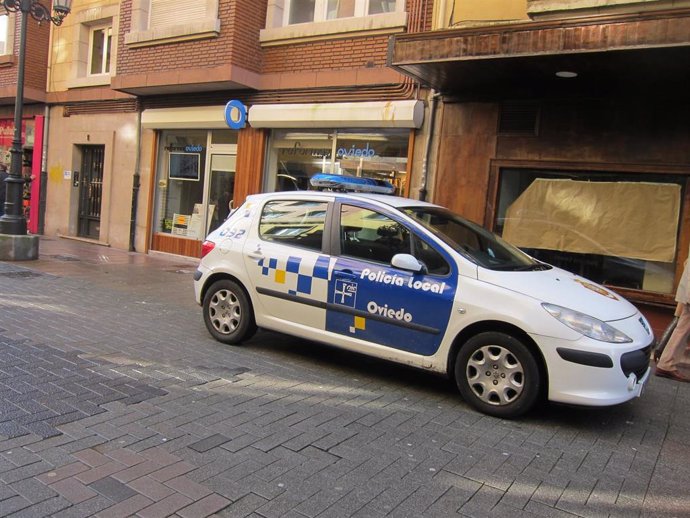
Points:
(360, 323)
(280, 276)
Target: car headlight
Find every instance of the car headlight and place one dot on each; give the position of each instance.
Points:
(586, 325)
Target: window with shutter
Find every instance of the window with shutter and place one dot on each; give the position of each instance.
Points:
(167, 21)
(165, 13)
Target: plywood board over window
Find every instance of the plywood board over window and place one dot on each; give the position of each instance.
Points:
(638, 220)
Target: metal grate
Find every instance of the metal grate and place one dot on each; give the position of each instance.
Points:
(65, 258)
(519, 118)
(21, 274)
(91, 191)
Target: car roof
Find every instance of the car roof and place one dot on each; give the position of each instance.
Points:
(384, 199)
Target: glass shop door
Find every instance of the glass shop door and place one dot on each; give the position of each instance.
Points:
(221, 189)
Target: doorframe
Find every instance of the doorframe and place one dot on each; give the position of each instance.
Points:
(83, 197)
(213, 149)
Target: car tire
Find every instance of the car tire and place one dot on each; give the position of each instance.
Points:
(228, 312)
(498, 375)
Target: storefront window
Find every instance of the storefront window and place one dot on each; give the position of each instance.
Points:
(297, 155)
(7, 135)
(613, 228)
(180, 182)
(195, 181)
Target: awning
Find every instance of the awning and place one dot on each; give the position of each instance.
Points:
(375, 114)
(611, 55)
(194, 117)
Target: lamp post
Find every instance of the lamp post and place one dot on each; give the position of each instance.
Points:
(13, 222)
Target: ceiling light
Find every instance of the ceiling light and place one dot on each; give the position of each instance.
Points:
(566, 74)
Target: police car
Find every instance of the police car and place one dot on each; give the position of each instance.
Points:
(411, 282)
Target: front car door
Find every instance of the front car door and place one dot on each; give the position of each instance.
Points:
(373, 301)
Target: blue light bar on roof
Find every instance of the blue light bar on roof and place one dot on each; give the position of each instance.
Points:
(337, 182)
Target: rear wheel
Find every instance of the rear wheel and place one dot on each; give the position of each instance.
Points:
(228, 313)
(498, 375)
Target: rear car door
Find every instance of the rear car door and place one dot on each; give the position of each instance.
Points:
(285, 262)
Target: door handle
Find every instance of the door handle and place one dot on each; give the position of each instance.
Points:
(348, 274)
(256, 254)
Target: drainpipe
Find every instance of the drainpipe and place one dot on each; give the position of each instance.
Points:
(425, 162)
(135, 186)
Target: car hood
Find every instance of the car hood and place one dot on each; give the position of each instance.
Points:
(565, 289)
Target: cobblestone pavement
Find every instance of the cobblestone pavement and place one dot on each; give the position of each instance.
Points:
(115, 401)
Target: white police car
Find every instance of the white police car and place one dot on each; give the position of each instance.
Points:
(412, 282)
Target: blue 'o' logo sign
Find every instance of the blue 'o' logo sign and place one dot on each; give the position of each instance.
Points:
(235, 114)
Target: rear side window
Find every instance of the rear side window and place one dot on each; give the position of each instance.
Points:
(294, 222)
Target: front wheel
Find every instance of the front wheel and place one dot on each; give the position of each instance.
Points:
(228, 313)
(498, 375)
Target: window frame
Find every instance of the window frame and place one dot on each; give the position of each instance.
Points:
(320, 13)
(278, 30)
(142, 34)
(106, 55)
(415, 241)
(4, 19)
(7, 53)
(638, 296)
(309, 207)
(79, 62)
(331, 143)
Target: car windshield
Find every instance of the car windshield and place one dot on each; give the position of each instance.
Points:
(473, 241)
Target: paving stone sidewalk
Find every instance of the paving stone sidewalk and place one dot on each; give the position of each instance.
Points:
(114, 401)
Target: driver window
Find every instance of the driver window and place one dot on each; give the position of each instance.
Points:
(371, 236)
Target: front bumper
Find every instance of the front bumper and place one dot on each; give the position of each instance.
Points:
(588, 372)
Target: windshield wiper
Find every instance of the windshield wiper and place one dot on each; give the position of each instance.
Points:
(533, 267)
(521, 267)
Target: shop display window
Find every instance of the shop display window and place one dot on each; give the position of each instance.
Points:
(614, 228)
(297, 155)
(195, 181)
(180, 184)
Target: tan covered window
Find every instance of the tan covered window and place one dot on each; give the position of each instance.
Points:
(619, 229)
(631, 219)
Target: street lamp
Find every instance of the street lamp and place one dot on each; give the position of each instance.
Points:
(13, 221)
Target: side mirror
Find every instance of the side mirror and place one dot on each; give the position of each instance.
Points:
(407, 262)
